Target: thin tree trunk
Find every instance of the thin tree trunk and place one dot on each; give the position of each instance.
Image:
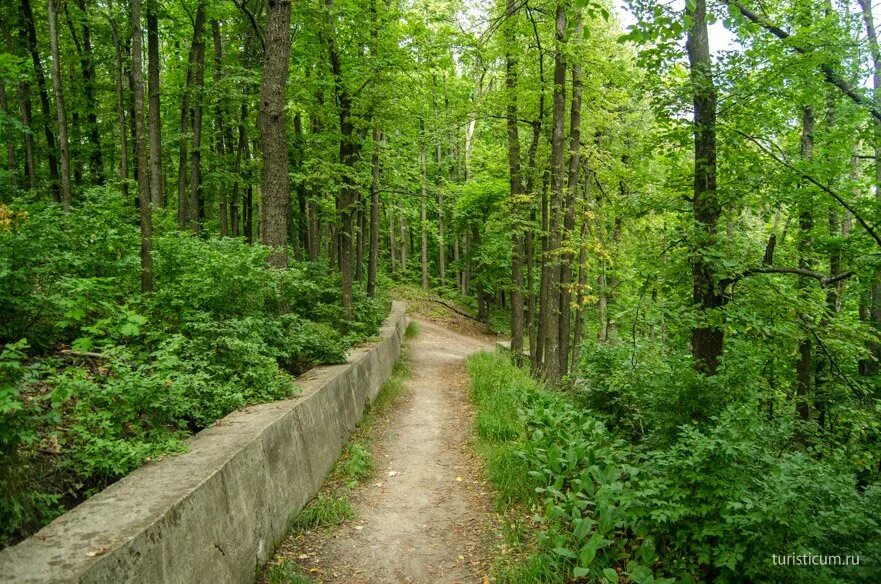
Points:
(273, 135)
(120, 108)
(516, 188)
(423, 220)
(197, 201)
(237, 166)
(569, 218)
(441, 241)
(28, 36)
(871, 366)
(552, 357)
(157, 177)
(806, 225)
(220, 124)
(24, 104)
(373, 249)
(87, 66)
(141, 150)
(348, 191)
(183, 212)
(707, 340)
(59, 106)
(10, 144)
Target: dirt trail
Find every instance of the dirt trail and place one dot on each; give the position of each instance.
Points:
(426, 516)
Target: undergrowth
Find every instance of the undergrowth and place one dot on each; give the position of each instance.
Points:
(582, 504)
(97, 378)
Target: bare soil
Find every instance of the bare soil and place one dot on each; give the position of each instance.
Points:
(427, 514)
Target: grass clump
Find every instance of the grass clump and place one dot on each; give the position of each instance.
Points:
(413, 329)
(325, 510)
(288, 572)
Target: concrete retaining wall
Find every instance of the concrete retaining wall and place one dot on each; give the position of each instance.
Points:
(215, 513)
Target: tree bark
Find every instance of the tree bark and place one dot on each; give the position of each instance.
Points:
(28, 36)
(373, 248)
(157, 177)
(59, 106)
(806, 225)
(183, 211)
(141, 150)
(196, 207)
(10, 144)
(87, 66)
(273, 135)
(24, 104)
(516, 188)
(348, 193)
(220, 132)
(567, 258)
(423, 223)
(552, 357)
(707, 339)
(120, 108)
(871, 366)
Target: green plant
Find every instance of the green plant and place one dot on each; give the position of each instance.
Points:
(287, 572)
(323, 511)
(412, 329)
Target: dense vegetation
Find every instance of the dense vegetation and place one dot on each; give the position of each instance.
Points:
(681, 237)
(711, 504)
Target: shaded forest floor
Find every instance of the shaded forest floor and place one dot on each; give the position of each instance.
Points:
(426, 513)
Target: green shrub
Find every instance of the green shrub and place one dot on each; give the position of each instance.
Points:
(97, 378)
(711, 502)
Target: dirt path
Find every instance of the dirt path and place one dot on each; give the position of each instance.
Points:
(427, 516)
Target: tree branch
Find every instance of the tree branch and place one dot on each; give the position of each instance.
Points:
(841, 201)
(828, 73)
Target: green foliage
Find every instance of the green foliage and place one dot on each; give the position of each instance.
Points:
(97, 378)
(714, 501)
(413, 329)
(323, 511)
(287, 572)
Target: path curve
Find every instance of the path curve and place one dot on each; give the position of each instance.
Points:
(427, 515)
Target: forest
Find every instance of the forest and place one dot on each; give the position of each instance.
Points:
(672, 209)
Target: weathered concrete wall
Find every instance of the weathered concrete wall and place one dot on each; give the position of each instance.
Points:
(215, 513)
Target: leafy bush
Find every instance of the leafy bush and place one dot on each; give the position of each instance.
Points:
(97, 378)
(711, 504)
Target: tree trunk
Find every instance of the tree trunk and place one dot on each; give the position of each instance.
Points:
(24, 104)
(871, 366)
(806, 225)
(196, 210)
(707, 340)
(373, 249)
(516, 188)
(120, 108)
(157, 177)
(441, 242)
(220, 124)
(10, 144)
(423, 224)
(141, 150)
(567, 258)
(273, 136)
(552, 356)
(237, 166)
(59, 106)
(28, 36)
(183, 213)
(87, 66)
(348, 191)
